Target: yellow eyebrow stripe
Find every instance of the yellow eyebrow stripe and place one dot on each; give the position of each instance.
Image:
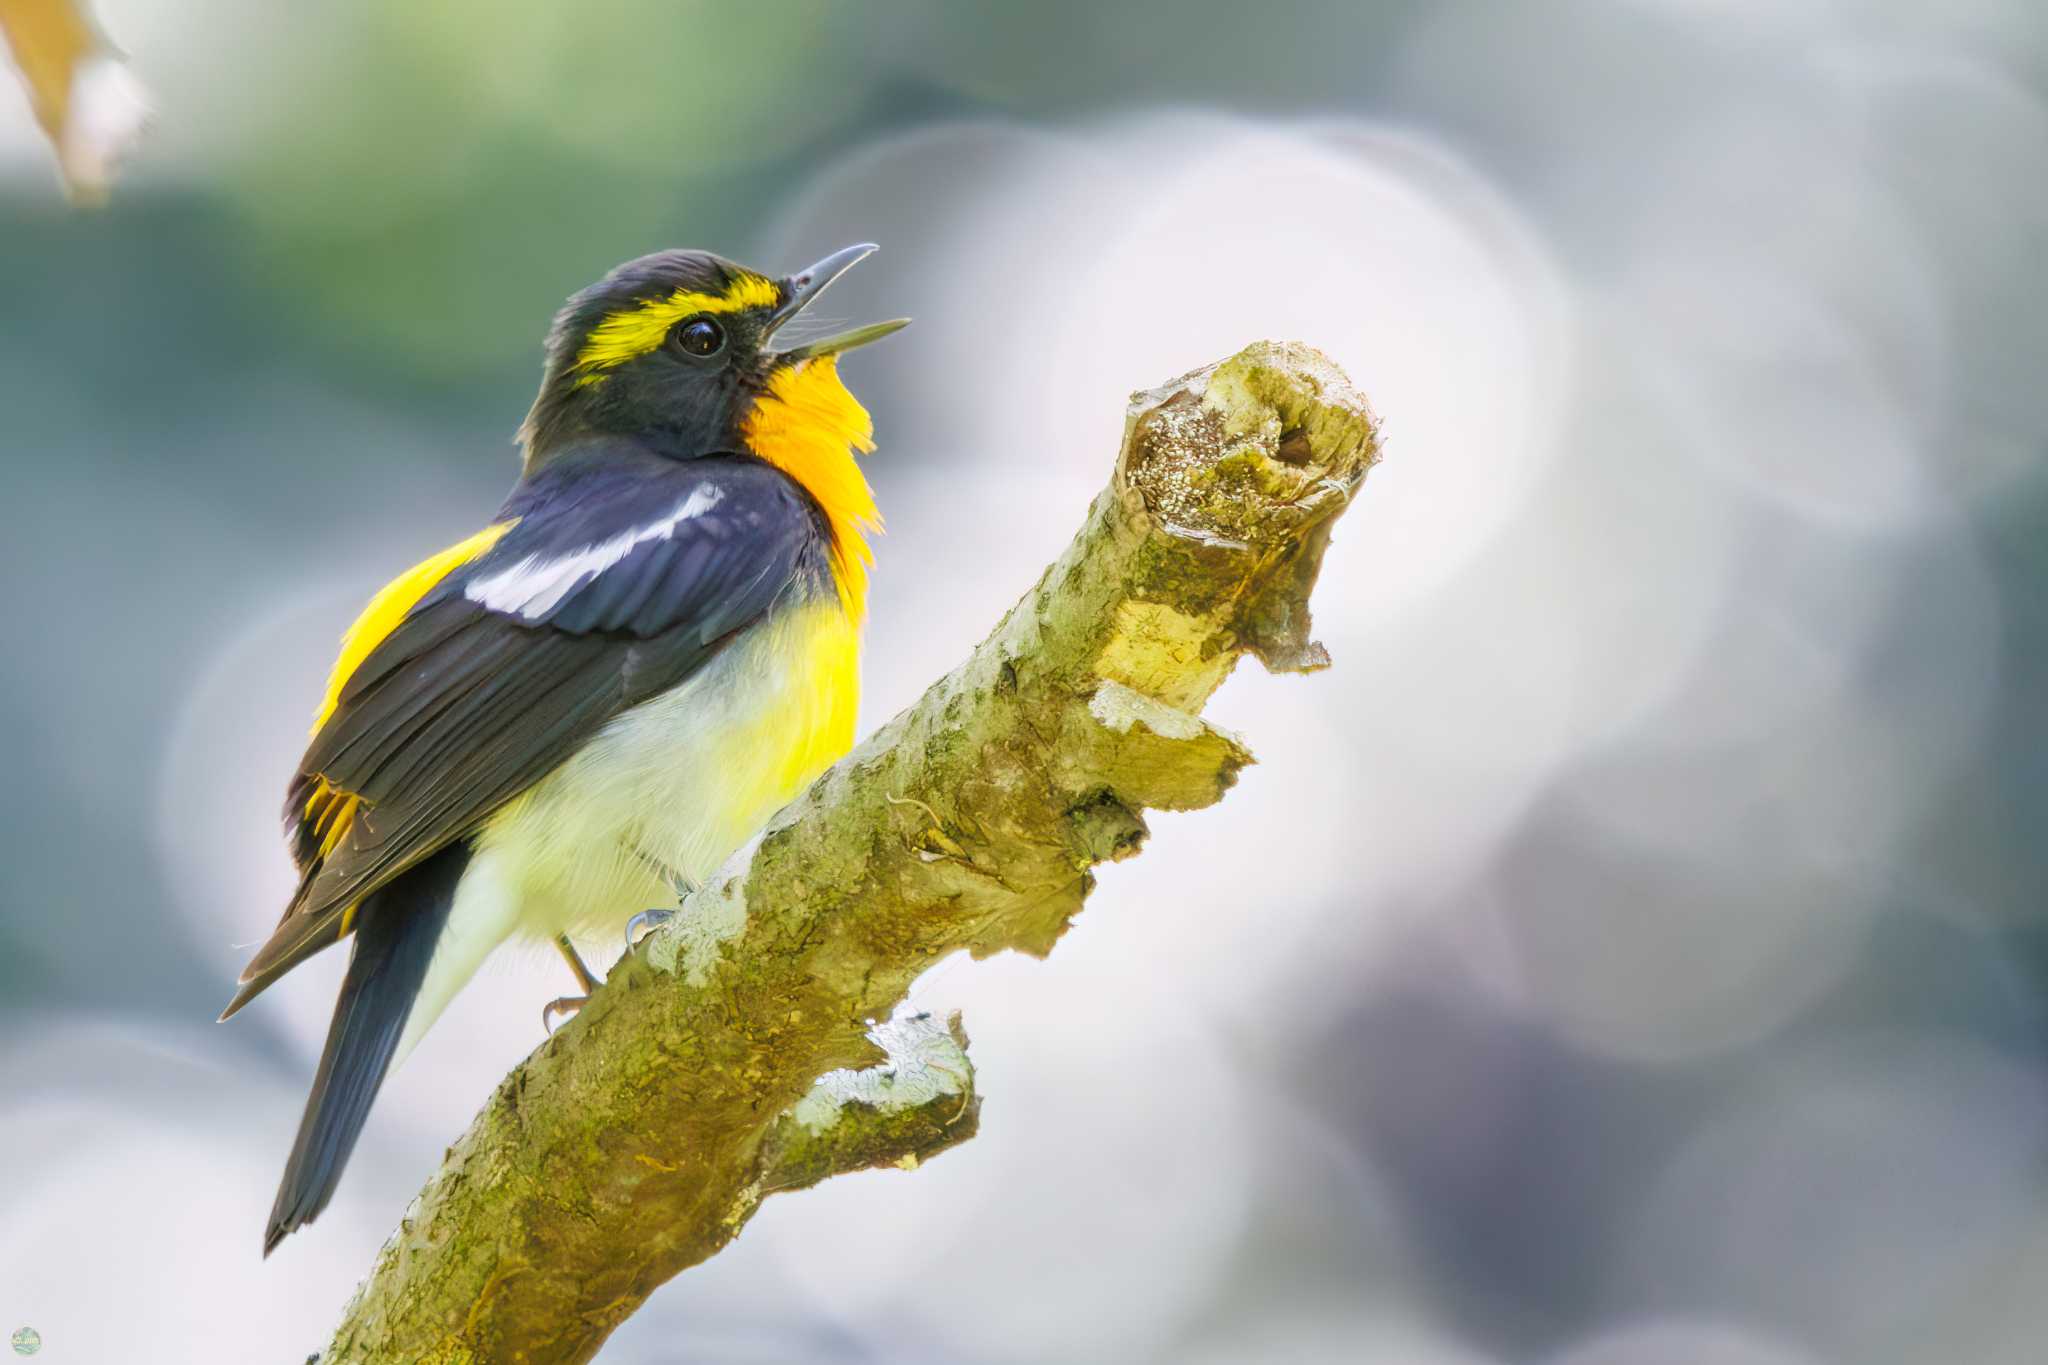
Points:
(391, 604)
(637, 330)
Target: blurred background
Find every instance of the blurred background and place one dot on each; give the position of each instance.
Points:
(1632, 950)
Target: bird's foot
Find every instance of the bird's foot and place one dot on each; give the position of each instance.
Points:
(645, 921)
(563, 1006)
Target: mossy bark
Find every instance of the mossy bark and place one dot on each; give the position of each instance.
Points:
(730, 1056)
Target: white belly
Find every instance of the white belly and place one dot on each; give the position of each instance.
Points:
(666, 790)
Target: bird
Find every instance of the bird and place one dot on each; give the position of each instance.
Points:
(581, 709)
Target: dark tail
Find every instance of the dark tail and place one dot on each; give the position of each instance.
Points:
(396, 930)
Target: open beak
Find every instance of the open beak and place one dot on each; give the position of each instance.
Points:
(805, 286)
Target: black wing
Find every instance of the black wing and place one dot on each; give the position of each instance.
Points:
(622, 574)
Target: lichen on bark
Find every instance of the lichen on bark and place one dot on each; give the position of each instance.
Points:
(735, 1053)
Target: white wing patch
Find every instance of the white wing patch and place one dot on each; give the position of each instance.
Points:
(534, 586)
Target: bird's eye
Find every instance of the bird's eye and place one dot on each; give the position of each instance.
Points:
(699, 336)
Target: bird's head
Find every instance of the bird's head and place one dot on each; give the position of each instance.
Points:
(679, 349)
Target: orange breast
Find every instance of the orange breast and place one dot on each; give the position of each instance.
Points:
(808, 425)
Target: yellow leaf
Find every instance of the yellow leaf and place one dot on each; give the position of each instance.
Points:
(89, 104)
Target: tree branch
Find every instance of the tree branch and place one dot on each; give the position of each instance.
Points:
(731, 1056)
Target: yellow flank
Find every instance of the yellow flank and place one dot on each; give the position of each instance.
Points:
(635, 331)
(808, 425)
(391, 604)
(828, 706)
(607, 832)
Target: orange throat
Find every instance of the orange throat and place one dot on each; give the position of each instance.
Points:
(808, 426)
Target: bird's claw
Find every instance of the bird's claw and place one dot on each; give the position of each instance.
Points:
(563, 1005)
(645, 920)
